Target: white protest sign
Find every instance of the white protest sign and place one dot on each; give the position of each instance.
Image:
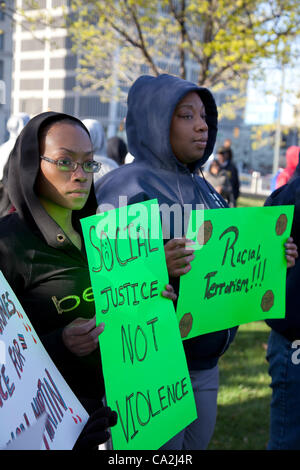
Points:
(30, 384)
(32, 438)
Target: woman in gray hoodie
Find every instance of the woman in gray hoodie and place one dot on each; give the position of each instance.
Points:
(171, 128)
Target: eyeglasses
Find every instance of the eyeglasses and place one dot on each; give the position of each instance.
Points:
(64, 164)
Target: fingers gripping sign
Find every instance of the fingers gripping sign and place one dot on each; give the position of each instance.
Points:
(291, 252)
(178, 257)
(81, 336)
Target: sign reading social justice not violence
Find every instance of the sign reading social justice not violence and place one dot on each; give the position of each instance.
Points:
(239, 271)
(31, 385)
(146, 377)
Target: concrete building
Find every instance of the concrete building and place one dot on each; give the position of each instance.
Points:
(45, 71)
(6, 57)
(44, 78)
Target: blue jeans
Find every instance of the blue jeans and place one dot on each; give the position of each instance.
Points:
(197, 435)
(284, 369)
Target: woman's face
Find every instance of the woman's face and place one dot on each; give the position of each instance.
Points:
(214, 168)
(189, 131)
(69, 190)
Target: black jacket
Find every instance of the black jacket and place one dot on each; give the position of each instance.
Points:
(233, 176)
(156, 173)
(289, 194)
(47, 272)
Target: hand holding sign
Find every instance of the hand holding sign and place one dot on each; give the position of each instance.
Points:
(291, 252)
(178, 258)
(169, 293)
(95, 431)
(30, 385)
(146, 377)
(81, 336)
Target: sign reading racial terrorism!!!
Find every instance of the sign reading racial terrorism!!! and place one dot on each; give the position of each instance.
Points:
(31, 388)
(239, 271)
(146, 377)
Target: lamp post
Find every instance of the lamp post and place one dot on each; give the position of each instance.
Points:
(278, 124)
(2, 92)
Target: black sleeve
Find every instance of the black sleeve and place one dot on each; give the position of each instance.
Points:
(235, 182)
(95, 431)
(289, 194)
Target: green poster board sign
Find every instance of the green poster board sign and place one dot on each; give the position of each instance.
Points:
(144, 366)
(239, 271)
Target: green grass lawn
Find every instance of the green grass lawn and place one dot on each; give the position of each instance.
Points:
(244, 396)
(244, 201)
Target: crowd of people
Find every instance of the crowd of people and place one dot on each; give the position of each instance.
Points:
(62, 169)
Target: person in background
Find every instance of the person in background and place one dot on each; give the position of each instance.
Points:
(218, 178)
(14, 125)
(284, 341)
(224, 159)
(227, 146)
(273, 182)
(292, 160)
(296, 173)
(117, 150)
(43, 258)
(50, 184)
(98, 139)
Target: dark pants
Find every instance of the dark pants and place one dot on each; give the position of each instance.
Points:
(197, 435)
(284, 369)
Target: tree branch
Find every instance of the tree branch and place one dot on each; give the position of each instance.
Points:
(183, 34)
(141, 37)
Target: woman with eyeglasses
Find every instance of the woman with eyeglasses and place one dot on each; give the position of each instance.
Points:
(42, 256)
(50, 184)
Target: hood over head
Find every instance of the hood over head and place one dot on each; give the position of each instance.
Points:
(15, 124)
(22, 172)
(117, 149)
(97, 135)
(151, 104)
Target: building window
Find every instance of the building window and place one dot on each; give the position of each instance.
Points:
(66, 83)
(32, 45)
(1, 41)
(2, 8)
(91, 106)
(32, 64)
(1, 70)
(31, 106)
(32, 84)
(69, 105)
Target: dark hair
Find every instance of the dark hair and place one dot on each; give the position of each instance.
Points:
(225, 152)
(216, 163)
(116, 149)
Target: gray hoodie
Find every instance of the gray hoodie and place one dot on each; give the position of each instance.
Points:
(98, 139)
(156, 173)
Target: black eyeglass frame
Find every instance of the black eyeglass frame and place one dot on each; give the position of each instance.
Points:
(73, 165)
